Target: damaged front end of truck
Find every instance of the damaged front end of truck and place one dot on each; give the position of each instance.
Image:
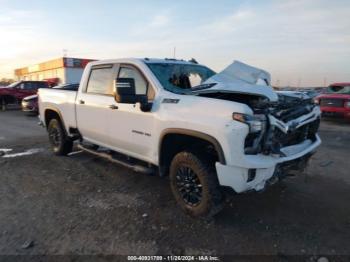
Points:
(282, 125)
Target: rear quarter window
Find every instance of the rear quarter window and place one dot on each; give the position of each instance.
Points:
(101, 81)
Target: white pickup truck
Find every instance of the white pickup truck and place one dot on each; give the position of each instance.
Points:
(207, 131)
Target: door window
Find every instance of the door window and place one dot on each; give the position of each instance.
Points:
(101, 80)
(141, 84)
(29, 86)
(26, 86)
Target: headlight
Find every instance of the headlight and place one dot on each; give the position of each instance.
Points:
(255, 122)
(347, 103)
(316, 101)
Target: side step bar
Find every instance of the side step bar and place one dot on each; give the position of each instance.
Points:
(125, 163)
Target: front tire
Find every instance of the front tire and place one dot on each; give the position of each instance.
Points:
(60, 142)
(3, 104)
(195, 185)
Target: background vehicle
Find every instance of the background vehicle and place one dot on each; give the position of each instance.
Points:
(205, 130)
(30, 103)
(14, 93)
(335, 102)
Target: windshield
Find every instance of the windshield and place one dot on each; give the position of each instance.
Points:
(13, 84)
(338, 90)
(181, 78)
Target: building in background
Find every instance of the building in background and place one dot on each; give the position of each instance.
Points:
(62, 70)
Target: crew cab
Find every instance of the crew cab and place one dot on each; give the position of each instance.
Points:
(207, 131)
(15, 92)
(335, 102)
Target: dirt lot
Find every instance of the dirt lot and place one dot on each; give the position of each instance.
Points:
(84, 205)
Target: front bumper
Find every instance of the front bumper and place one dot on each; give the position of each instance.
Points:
(265, 167)
(29, 107)
(342, 112)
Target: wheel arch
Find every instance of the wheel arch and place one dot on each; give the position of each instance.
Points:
(189, 135)
(51, 113)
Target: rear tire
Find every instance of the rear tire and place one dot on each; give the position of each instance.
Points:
(61, 144)
(195, 185)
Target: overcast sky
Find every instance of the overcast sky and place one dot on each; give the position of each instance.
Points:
(300, 42)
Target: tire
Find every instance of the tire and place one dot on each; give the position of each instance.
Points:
(60, 142)
(3, 105)
(195, 185)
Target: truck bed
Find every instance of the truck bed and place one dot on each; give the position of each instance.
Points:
(62, 101)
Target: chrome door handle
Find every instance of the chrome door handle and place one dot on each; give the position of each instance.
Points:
(113, 107)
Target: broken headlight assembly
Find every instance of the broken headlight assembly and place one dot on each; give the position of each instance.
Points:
(257, 127)
(256, 123)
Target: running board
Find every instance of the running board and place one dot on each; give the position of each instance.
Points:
(125, 163)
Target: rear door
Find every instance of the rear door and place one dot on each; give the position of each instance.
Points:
(94, 102)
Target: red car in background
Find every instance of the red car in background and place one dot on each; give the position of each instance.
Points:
(335, 102)
(30, 103)
(14, 93)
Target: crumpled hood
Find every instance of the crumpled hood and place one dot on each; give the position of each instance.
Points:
(242, 78)
(295, 94)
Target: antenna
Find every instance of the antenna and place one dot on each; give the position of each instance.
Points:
(64, 52)
(174, 52)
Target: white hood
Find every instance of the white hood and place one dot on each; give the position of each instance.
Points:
(242, 78)
(295, 94)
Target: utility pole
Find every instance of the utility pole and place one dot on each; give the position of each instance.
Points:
(325, 82)
(174, 52)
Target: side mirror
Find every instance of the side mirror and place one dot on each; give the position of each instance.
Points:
(125, 90)
(126, 93)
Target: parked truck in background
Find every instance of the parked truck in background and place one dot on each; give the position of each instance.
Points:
(204, 130)
(335, 102)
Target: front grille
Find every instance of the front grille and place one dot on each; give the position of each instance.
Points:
(296, 136)
(332, 102)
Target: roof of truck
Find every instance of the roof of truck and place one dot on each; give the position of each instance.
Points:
(146, 60)
(167, 60)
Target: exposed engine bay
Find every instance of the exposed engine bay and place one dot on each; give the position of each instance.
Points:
(285, 119)
(287, 122)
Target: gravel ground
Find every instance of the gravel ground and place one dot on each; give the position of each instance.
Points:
(85, 205)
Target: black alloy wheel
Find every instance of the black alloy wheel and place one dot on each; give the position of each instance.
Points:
(189, 186)
(60, 142)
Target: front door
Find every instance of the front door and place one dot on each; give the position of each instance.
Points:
(131, 130)
(26, 89)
